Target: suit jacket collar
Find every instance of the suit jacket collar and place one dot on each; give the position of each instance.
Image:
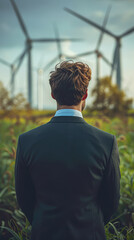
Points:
(62, 119)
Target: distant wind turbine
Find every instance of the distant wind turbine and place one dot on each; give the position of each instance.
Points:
(41, 70)
(14, 69)
(116, 56)
(29, 42)
(60, 55)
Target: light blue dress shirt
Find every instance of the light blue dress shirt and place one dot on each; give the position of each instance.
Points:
(68, 112)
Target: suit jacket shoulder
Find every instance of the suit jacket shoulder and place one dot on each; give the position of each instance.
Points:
(99, 134)
(101, 140)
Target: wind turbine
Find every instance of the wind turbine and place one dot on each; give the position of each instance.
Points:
(116, 56)
(14, 69)
(60, 55)
(40, 71)
(29, 42)
(96, 51)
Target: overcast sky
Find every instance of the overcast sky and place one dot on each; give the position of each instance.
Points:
(40, 16)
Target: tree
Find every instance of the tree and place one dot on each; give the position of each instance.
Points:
(7, 103)
(4, 97)
(19, 102)
(109, 99)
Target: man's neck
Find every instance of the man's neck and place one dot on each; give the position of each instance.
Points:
(76, 107)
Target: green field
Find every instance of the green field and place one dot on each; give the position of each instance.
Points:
(14, 224)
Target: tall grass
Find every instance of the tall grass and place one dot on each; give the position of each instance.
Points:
(13, 223)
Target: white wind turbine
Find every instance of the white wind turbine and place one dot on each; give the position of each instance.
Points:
(97, 51)
(28, 44)
(116, 57)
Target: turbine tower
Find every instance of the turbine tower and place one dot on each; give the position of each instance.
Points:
(116, 57)
(28, 43)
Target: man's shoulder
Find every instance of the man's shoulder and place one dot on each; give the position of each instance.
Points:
(100, 138)
(45, 129)
(87, 125)
(98, 131)
(33, 132)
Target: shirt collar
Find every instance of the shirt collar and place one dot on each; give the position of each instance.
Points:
(68, 112)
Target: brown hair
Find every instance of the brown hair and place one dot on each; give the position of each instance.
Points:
(69, 82)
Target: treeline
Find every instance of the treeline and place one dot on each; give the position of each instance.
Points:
(108, 100)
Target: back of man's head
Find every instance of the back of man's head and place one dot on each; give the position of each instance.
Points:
(69, 82)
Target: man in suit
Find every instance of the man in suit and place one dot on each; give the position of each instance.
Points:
(67, 174)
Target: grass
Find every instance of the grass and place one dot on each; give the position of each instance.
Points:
(14, 224)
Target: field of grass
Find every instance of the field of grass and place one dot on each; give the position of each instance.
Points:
(14, 224)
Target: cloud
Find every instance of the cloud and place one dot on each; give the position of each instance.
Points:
(99, 14)
(5, 27)
(119, 22)
(128, 16)
(66, 48)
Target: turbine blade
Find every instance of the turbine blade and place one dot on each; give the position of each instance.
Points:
(56, 39)
(81, 54)
(104, 25)
(90, 22)
(18, 66)
(58, 42)
(106, 60)
(19, 18)
(20, 60)
(51, 63)
(5, 62)
(19, 57)
(127, 32)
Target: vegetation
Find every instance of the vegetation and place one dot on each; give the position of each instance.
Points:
(14, 224)
(109, 99)
(16, 118)
(8, 103)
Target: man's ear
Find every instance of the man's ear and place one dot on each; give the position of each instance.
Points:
(52, 95)
(85, 96)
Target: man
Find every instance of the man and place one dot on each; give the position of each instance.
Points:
(67, 174)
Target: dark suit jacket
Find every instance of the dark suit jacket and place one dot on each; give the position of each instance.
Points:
(67, 179)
